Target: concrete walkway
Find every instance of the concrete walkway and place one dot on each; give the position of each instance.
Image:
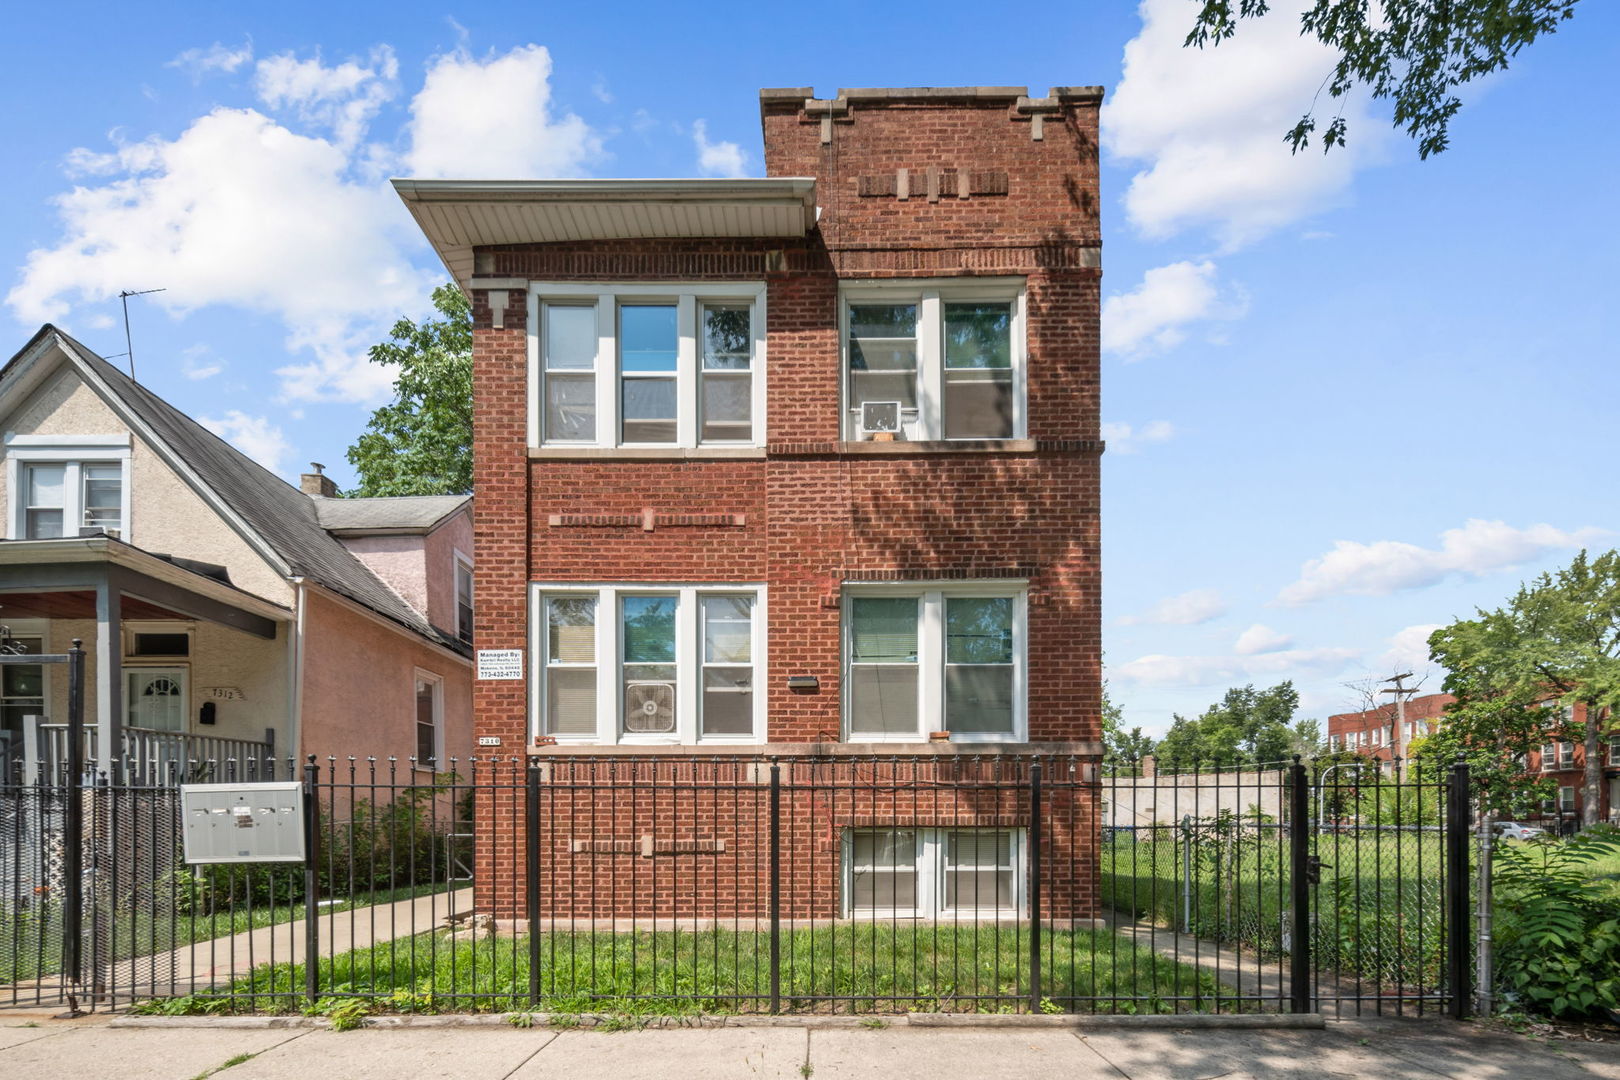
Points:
(217, 961)
(792, 1051)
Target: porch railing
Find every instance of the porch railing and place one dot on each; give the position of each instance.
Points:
(149, 756)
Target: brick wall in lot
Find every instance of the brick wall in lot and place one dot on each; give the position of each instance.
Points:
(635, 840)
(807, 513)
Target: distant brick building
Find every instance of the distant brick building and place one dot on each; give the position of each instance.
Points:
(802, 462)
(1372, 733)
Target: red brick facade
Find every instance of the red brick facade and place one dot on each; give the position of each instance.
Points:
(909, 184)
(1371, 733)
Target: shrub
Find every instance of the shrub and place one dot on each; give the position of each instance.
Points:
(1558, 934)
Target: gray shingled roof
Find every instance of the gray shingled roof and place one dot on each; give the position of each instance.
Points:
(284, 517)
(399, 512)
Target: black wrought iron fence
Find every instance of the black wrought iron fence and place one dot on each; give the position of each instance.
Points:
(796, 883)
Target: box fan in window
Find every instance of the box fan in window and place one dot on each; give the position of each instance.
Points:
(649, 708)
(880, 417)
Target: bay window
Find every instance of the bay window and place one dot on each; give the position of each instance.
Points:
(933, 873)
(924, 659)
(653, 365)
(945, 359)
(649, 663)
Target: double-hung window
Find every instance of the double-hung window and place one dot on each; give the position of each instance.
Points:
(934, 360)
(649, 663)
(429, 719)
(922, 659)
(464, 597)
(62, 486)
(653, 365)
(903, 872)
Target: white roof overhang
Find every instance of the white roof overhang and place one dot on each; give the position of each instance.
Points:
(459, 215)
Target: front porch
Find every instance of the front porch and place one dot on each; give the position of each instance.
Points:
(186, 677)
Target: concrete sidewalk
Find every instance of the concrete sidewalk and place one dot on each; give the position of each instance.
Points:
(793, 1051)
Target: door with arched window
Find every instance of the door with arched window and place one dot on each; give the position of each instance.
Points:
(156, 698)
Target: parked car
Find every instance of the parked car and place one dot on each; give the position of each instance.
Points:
(1512, 830)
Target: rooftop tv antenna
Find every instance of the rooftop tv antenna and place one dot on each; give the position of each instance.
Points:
(129, 347)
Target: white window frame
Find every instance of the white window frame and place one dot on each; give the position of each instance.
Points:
(930, 855)
(32, 630)
(437, 682)
(73, 452)
(1566, 805)
(927, 424)
(610, 661)
(688, 297)
(931, 654)
(459, 562)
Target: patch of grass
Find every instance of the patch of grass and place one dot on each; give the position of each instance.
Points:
(864, 967)
(521, 1019)
(621, 1022)
(874, 1023)
(229, 1062)
(563, 1021)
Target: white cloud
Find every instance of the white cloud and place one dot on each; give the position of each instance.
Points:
(215, 57)
(600, 91)
(255, 436)
(1155, 315)
(717, 158)
(493, 119)
(1409, 649)
(1190, 672)
(1386, 566)
(195, 363)
(1122, 438)
(1207, 125)
(239, 210)
(1184, 609)
(1261, 639)
(342, 99)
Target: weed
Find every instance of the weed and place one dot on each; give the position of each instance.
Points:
(874, 1023)
(563, 1021)
(345, 1014)
(807, 1070)
(1050, 1007)
(520, 1019)
(230, 1061)
(621, 1022)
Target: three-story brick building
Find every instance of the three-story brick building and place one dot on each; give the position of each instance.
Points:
(797, 466)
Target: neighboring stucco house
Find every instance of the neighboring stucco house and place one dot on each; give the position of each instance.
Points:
(805, 464)
(226, 613)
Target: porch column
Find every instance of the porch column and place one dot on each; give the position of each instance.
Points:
(109, 672)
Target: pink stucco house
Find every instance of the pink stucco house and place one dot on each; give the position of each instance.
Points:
(227, 614)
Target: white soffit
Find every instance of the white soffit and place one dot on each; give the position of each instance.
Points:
(458, 215)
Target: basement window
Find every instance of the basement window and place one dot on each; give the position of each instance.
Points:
(927, 873)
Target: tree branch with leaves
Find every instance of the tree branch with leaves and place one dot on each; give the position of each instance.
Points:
(1414, 53)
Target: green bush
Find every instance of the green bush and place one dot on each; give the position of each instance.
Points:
(1558, 932)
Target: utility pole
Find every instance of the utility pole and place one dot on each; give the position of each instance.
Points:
(129, 347)
(1401, 692)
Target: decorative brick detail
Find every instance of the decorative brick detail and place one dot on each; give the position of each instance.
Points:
(645, 521)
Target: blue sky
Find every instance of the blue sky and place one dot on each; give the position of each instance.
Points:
(1348, 398)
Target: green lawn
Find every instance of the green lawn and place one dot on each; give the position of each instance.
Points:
(1378, 907)
(846, 968)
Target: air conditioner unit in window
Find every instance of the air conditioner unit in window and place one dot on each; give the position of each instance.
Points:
(649, 708)
(880, 417)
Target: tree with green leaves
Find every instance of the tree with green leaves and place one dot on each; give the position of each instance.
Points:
(421, 442)
(1246, 727)
(1415, 53)
(1514, 670)
(1122, 748)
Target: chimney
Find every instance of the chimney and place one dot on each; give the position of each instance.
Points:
(317, 482)
(1150, 765)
